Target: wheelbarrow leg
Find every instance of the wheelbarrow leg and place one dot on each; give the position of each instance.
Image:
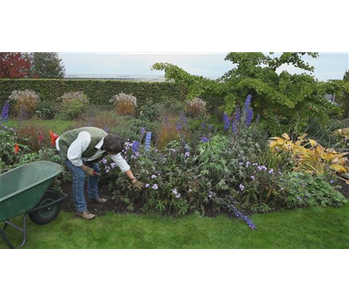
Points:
(5, 226)
(24, 231)
(3, 235)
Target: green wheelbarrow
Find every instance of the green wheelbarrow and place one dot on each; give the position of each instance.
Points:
(25, 190)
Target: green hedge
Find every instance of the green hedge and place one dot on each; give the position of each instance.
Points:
(98, 91)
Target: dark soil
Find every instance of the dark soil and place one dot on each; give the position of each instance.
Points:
(345, 188)
(95, 208)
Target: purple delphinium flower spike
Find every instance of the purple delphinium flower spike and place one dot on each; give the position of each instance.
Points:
(226, 121)
(240, 215)
(248, 111)
(4, 112)
(135, 146)
(147, 140)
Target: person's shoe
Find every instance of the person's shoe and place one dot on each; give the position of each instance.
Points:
(86, 215)
(98, 200)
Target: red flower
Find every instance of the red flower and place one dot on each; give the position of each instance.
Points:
(54, 137)
(17, 148)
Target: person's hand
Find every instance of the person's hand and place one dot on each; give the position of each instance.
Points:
(88, 170)
(137, 184)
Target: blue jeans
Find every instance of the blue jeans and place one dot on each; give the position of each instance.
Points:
(79, 182)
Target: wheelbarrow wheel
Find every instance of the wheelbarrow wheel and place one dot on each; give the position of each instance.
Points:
(47, 214)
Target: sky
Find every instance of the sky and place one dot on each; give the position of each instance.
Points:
(327, 65)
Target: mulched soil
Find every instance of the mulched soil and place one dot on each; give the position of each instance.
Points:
(95, 208)
(345, 188)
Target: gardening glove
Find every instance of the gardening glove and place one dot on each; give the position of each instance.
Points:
(88, 171)
(138, 185)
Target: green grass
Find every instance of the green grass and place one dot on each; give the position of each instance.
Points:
(310, 228)
(57, 126)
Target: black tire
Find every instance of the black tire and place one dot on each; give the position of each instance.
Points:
(48, 214)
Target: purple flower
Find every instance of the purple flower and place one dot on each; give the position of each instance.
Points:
(153, 176)
(113, 165)
(241, 186)
(210, 128)
(104, 161)
(252, 177)
(248, 111)
(4, 112)
(204, 139)
(155, 187)
(8, 128)
(147, 140)
(210, 194)
(147, 185)
(260, 168)
(226, 121)
(178, 195)
(241, 216)
(135, 146)
(271, 171)
(247, 164)
(182, 122)
(187, 154)
(332, 181)
(142, 130)
(203, 125)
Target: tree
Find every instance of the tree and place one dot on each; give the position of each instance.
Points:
(14, 65)
(198, 86)
(46, 65)
(279, 98)
(342, 96)
(346, 76)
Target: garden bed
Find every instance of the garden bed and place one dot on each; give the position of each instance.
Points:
(114, 206)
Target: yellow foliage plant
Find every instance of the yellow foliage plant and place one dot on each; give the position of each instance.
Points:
(310, 156)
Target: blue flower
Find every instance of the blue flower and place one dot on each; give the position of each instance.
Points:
(182, 122)
(135, 146)
(204, 139)
(241, 216)
(248, 111)
(4, 112)
(147, 140)
(226, 121)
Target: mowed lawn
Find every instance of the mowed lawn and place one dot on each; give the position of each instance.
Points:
(309, 228)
